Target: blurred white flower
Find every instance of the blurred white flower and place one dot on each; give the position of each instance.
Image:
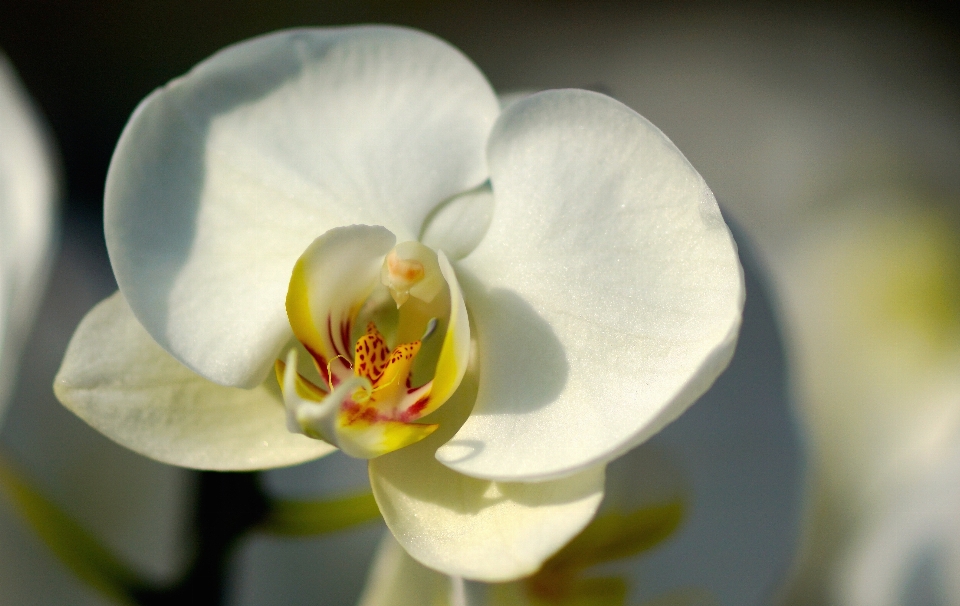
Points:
(602, 286)
(908, 553)
(132, 504)
(28, 192)
(874, 298)
(137, 509)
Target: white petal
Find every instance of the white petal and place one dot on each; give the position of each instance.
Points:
(223, 177)
(611, 290)
(117, 379)
(477, 529)
(28, 190)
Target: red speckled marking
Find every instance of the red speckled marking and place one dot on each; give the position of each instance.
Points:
(413, 412)
(391, 398)
(371, 355)
(339, 339)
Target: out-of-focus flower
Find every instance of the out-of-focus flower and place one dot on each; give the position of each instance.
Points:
(132, 504)
(908, 551)
(706, 512)
(28, 194)
(136, 509)
(562, 259)
(28, 191)
(874, 297)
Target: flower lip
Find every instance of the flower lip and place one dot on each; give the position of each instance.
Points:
(369, 404)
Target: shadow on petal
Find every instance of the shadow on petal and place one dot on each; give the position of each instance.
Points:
(523, 364)
(163, 223)
(415, 473)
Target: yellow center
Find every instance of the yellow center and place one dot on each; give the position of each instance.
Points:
(369, 405)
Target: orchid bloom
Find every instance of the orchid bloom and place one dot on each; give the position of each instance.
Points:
(28, 189)
(334, 238)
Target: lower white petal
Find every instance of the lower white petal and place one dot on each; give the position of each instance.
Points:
(477, 529)
(117, 379)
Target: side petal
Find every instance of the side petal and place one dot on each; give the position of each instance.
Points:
(117, 379)
(607, 259)
(224, 176)
(477, 529)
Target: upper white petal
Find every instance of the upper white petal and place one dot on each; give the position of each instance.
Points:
(28, 190)
(606, 294)
(117, 379)
(223, 177)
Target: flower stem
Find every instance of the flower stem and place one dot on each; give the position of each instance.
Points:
(229, 504)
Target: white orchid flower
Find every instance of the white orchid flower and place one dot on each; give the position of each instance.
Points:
(489, 307)
(28, 191)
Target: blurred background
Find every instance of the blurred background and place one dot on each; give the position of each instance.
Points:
(829, 132)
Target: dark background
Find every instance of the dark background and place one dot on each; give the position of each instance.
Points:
(88, 63)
